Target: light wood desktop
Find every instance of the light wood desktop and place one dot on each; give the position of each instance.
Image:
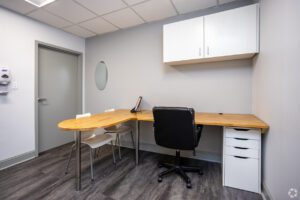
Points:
(102, 120)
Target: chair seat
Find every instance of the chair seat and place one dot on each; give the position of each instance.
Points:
(120, 130)
(97, 140)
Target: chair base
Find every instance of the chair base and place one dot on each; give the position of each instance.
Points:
(179, 169)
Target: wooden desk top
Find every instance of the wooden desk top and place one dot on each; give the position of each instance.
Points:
(112, 118)
(97, 121)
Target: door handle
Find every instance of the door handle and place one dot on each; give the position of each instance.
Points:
(41, 99)
(242, 157)
(244, 148)
(240, 138)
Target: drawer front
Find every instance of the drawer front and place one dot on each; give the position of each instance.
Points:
(241, 142)
(253, 134)
(241, 151)
(242, 173)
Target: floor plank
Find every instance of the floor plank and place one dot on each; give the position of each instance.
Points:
(44, 178)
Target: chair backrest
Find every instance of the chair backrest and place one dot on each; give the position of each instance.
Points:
(174, 127)
(111, 128)
(87, 134)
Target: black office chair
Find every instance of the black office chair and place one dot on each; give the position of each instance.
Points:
(175, 128)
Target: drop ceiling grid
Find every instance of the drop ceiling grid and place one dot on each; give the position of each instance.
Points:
(132, 12)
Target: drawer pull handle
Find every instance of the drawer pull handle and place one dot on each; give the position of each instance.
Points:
(242, 157)
(241, 129)
(241, 138)
(241, 148)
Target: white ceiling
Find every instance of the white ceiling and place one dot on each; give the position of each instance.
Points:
(87, 18)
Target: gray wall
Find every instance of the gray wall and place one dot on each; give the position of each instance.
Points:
(17, 52)
(134, 60)
(276, 97)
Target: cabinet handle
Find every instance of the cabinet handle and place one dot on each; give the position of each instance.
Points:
(241, 148)
(207, 50)
(242, 157)
(241, 129)
(240, 138)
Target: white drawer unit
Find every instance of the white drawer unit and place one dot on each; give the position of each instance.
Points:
(242, 158)
(246, 133)
(242, 173)
(242, 142)
(241, 151)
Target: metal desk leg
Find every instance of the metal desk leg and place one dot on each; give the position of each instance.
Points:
(137, 142)
(78, 161)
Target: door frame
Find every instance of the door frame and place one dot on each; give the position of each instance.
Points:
(80, 83)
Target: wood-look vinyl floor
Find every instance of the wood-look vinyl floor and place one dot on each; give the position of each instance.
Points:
(44, 178)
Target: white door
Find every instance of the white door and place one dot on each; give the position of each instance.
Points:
(59, 92)
(231, 32)
(183, 40)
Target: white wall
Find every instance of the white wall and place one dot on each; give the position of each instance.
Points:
(276, 96)
(17, 51)
(134, 61)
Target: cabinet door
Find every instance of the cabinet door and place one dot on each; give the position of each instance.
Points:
(232, 32)
(183, 40)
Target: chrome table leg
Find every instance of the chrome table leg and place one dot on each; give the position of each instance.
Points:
(137, 142)
(78, 161)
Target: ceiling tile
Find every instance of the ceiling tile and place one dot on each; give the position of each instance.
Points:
(69, 10)
(48, 18)
(225, 1)
(124, 18)
(155, 10)
(18, 6)
(81, 32)
(101, 7)
(98, 26)
(132, 2)
(185, 6)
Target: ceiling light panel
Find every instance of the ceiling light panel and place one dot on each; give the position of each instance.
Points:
(39, 3)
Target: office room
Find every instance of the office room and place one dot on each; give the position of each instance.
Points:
(149, 99)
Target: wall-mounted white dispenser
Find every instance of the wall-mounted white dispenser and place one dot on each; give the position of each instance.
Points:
(5, 78)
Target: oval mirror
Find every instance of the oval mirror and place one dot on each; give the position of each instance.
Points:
(101, 75)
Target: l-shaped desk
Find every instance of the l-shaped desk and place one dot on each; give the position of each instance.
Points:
(239, 121)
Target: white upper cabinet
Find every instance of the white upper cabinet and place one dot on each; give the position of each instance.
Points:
(183, 40)
(231, 32)
(227, 35)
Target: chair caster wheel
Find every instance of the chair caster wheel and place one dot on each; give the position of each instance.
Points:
(159, 179)
(189, 185)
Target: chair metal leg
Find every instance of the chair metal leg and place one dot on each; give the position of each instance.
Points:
(119, 146)
(133, 145)
(113, 152)
(92, 162)
(70, 156)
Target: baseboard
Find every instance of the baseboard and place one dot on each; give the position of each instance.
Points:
(16, 160)
(200, 155)
(266, 192)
